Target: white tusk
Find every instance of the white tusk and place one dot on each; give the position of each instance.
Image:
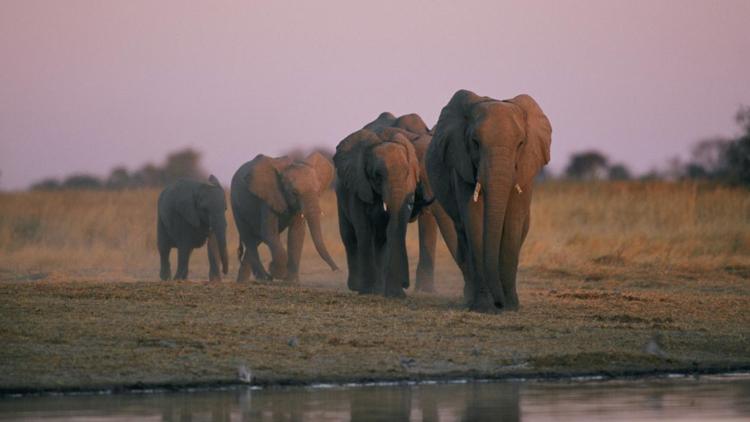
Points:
(518, 188)
(301, 215)
(477, 188)
(385, 207)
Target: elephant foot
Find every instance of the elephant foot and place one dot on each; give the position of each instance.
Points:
(513, 307)
(396, 292)
(214, 278)
(353, 284)
(277, 273)
(293, 279)
(425, 286)
(485, 308)
(263, 277)
(164, 277)
(483, 304)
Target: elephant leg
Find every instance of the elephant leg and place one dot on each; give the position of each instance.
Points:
(427, 241)
(473, 214)
(243, 274)
(463, 248)
(368, 269)
(349, 238)
(514, 233)
(450, 236)
(212, 248)
(378, 250)
(270, 234)
(295, 240)
(165, 271)
(253, 259)
(183, 257)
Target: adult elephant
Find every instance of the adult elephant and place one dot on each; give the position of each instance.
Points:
(432, 216)
(481, 165)
(378, 192)
(189, 212)
(270, 194)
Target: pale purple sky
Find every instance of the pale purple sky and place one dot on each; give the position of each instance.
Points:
(88, 85)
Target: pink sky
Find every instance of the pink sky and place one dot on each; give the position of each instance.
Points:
(87, 85)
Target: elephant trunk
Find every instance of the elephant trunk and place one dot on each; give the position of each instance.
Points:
(311, 210)
(218, 226)
(397, 264)
(496, 175)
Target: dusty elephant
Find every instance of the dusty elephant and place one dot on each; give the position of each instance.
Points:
(481, 165)
(270, 194)
(189, 212)
(432, 216)
(378, 193)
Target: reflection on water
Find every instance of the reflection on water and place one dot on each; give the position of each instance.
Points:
(708, 398)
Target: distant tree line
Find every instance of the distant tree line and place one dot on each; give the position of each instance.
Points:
(180, 164)
(722, 160)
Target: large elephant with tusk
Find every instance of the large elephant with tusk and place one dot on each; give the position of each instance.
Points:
(270, 194)
(481, 165)
(379, 192)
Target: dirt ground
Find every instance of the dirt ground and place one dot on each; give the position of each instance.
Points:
(87, 318)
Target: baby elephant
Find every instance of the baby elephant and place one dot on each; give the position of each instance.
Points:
(189, 212)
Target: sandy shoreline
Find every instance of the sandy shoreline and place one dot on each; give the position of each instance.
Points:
(75, 336)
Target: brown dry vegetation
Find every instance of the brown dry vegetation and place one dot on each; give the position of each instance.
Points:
(606, 268)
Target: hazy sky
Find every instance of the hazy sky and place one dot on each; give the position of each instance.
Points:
(87, 85)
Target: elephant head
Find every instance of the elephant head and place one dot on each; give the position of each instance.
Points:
(291, 187)
(496, 148)
(382, 170)
(207, 205)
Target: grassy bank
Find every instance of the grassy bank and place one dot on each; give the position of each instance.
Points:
(614, 278)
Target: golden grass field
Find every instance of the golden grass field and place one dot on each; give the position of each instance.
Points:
(607, 269)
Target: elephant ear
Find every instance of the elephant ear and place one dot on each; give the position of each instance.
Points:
(186, 202)
(536, 150)
(351, 162)
(264, 181)
(323, 168)
(453, 131)
(412, 123)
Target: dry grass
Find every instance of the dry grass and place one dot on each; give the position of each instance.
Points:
(605, 268)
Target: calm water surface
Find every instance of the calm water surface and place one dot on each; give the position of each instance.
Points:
(707, 398)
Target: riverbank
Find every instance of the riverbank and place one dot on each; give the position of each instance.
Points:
(624, 278)
(91, 335)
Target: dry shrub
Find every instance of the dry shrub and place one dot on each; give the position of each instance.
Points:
(575, 226)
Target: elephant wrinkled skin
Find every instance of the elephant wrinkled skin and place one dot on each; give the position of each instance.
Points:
(189, 212)
(270, 194)
(481, 164)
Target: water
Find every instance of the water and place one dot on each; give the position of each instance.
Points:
(684, 399)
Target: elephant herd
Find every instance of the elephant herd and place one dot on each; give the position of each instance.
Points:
(470, 176)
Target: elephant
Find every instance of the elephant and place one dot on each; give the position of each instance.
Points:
(431, 217)
(189, 212)
(270, 194)
(481, 165)
(379, 192)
